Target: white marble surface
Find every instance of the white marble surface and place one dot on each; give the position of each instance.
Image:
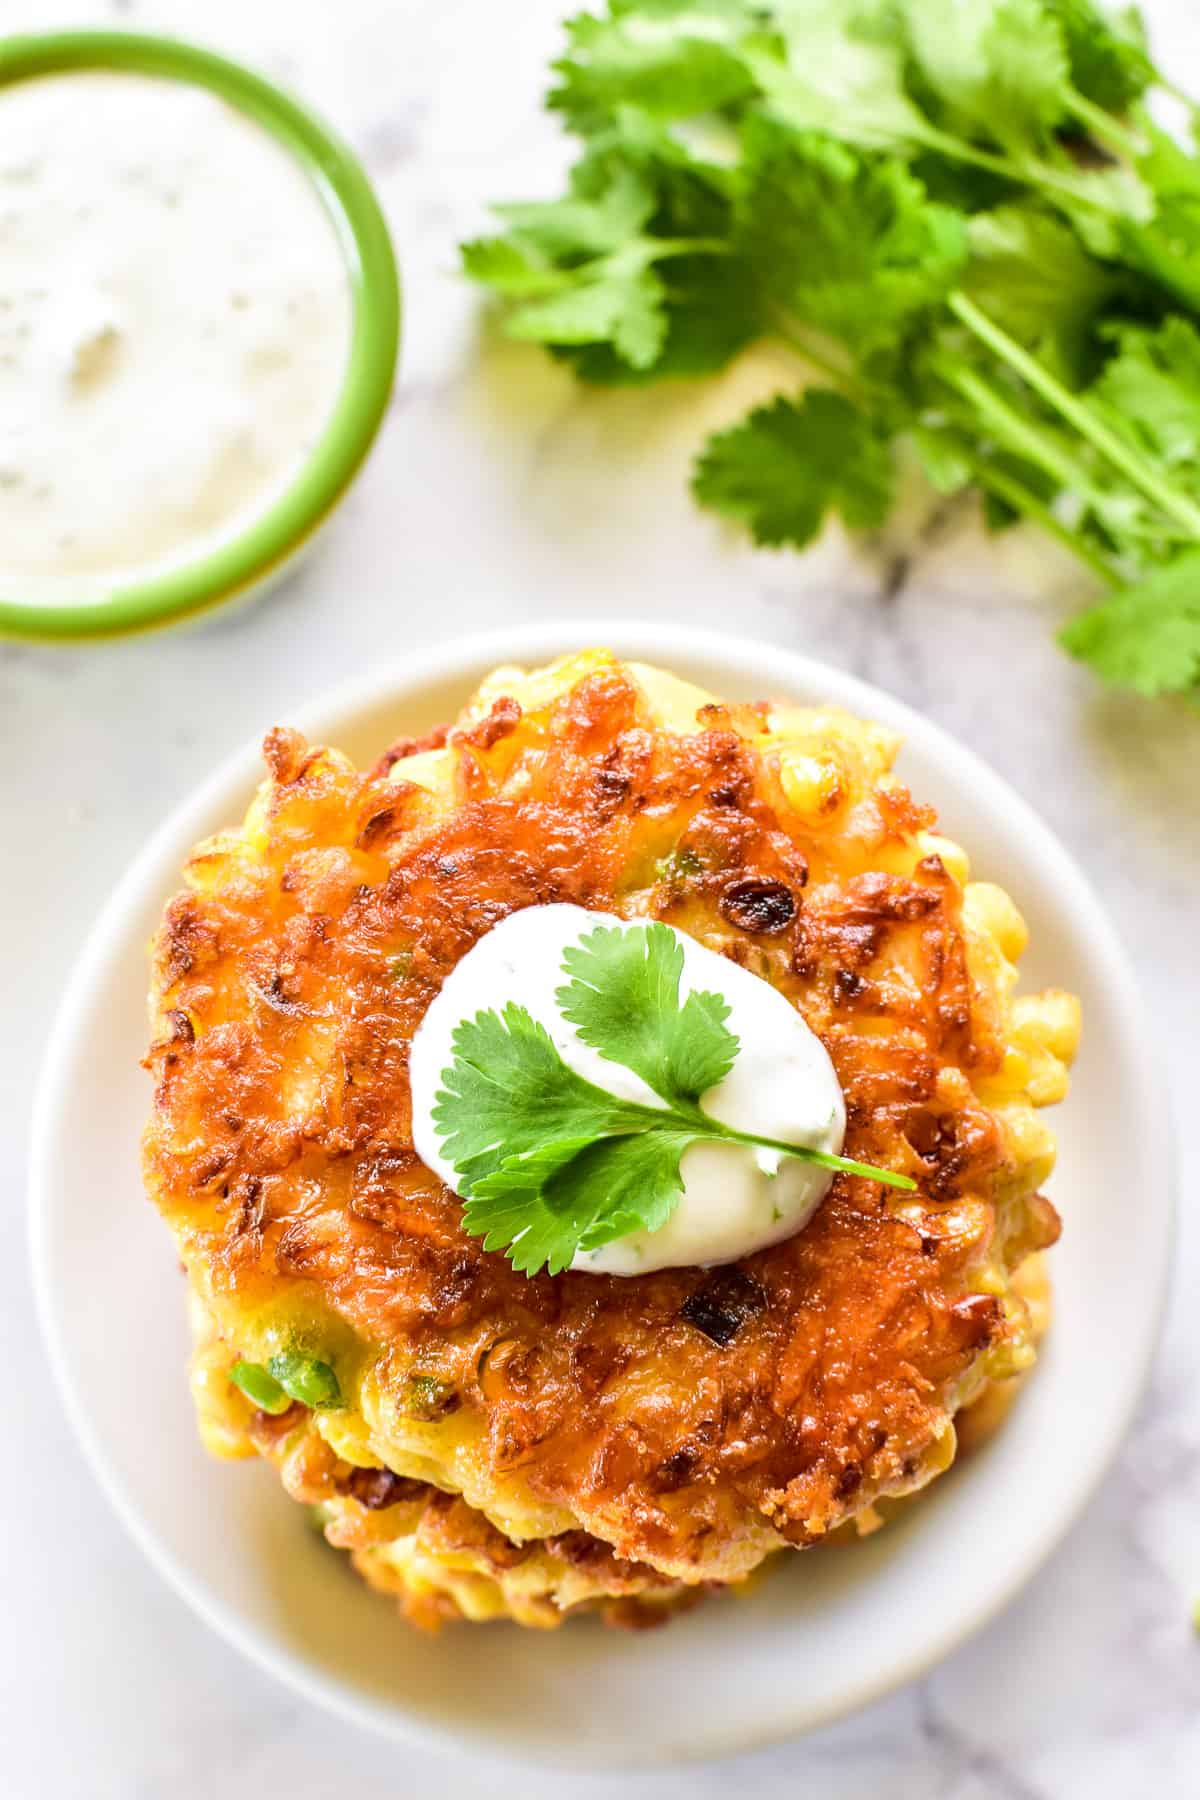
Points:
(499, 492)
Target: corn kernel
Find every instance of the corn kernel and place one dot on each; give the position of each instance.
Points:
(954, 858)
(1030, 1142)
(1048, 1021)
(673, 702)
(812, 786)
(1010, 1080)
(988, 908)
(222, 1411)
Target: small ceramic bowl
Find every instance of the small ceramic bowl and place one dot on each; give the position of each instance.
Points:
(823, 1632)
(262, 552)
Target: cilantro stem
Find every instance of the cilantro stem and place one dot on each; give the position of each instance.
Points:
(1023, 169)
(665, 247)
(1019, 434)
(643, 251)
(845, 379)
(824, 1158)
(1102, 125)
(851, 382)
(1082, 416)
(961, 151)
(695, 1117)
(1026, 502)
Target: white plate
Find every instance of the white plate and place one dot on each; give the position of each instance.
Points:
(827, 1633)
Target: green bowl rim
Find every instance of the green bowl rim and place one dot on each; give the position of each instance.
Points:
(342, 184)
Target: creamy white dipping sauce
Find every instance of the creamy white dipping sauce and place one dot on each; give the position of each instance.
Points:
(175, 318)
(782, 1085)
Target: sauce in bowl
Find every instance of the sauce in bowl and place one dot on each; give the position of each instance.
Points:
(175, 324)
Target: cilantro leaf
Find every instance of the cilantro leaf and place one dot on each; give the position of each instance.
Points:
(594, 218)
(692, 192)
(1029, 272)
(549, 1164)
(605, 290)
(1166, 246)
(1147, 637)
(511, 267)
(581, 270)
(616, 299)
(997, 72)
(1106, 50)
(619, 302)
(1152, 390)
(987, 70)
(999, 66)
(710, 311)
(791, 462)
(623, 1000)
(944, 458)
(846, 244)
(670, 58)
(548, 1205)
(830, 80)
(509, 1092)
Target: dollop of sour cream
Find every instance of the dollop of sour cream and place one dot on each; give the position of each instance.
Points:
(175, 321)
(736, 1199)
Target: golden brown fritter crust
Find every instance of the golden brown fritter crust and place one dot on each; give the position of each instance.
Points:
(291, 975)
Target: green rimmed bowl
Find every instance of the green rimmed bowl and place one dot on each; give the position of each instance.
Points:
(260, 553)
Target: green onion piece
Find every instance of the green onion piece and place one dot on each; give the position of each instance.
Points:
(428, 1399)
(678, 866)
(258, 1386)
(311, 1382)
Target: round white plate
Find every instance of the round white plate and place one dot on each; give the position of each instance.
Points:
(823, 1635)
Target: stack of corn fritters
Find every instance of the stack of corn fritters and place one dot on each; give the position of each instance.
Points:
(506, 1446)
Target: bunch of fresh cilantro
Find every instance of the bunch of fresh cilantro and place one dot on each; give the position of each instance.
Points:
(962, 215)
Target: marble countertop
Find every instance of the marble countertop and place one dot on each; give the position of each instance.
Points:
(498, 493)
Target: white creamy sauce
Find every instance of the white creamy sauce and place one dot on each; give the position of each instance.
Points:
(175, 318)
(782, 1085)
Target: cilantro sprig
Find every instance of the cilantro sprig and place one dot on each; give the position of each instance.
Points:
(548, 1163)
(960, 214)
